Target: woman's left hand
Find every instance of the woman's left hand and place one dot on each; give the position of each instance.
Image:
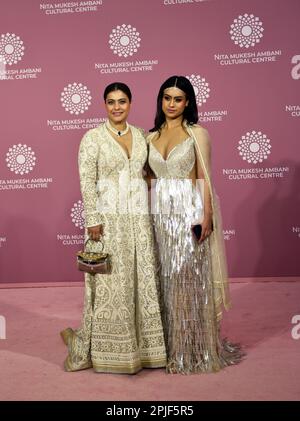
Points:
(206, 227)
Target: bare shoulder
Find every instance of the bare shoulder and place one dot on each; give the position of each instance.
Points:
(200, 130)
(201, 134)
(152, 136)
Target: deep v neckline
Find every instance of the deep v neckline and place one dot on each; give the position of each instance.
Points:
(120, 146)
(178, 144)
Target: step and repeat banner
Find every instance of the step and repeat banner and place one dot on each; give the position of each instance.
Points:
(243, 59)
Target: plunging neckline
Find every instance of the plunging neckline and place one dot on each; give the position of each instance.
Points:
(120, 146)
(178, 144)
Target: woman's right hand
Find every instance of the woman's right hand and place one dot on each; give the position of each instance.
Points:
(95, 232)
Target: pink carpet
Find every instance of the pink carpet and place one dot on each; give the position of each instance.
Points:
(31, 356)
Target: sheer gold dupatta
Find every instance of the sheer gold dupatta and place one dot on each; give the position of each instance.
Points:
(218, 256)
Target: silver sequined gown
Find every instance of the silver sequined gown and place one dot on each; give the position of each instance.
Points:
(189, 317)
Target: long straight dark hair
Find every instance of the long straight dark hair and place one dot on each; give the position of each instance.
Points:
(190, 114)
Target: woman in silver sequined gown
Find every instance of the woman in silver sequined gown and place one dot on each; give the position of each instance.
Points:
(193, 283)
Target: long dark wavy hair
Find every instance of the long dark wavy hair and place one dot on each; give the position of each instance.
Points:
(117, 86)
(190, 114)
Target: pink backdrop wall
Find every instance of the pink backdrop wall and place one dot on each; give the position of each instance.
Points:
(243, 58)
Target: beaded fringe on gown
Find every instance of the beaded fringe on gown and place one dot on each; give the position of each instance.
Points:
(191, 329)
(190, 323)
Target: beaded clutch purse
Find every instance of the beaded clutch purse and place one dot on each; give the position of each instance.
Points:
(93, 262)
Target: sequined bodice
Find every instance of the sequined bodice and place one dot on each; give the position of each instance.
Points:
(179, 162)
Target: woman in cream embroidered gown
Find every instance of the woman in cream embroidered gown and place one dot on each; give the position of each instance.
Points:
(193, 273)
(121, 328)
